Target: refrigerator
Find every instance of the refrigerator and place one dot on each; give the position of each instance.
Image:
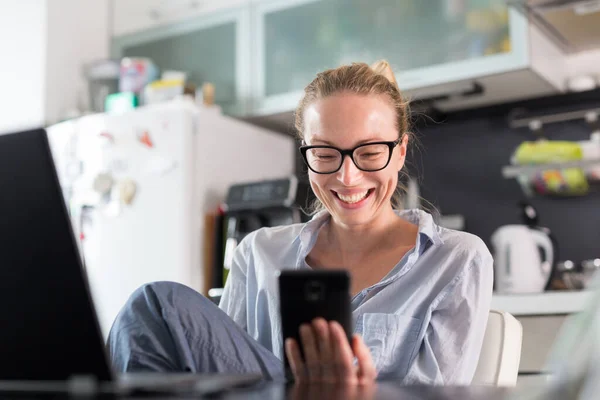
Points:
(138, 186)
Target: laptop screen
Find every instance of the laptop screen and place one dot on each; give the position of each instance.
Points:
(48, 326)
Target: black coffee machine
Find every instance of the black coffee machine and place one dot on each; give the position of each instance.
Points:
(250, 206)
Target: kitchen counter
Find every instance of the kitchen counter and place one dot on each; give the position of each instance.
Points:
(547, 303)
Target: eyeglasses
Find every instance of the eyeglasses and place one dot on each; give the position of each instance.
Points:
(369, 157)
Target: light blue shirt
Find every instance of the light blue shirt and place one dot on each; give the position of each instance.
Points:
(424, 322)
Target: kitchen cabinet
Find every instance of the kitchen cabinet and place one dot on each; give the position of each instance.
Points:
(458, 53)
(211, 48)
(131, 16)
(432, 45)
(540, 332)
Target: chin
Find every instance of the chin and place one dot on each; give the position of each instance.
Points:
(357, 219)
(353, 217)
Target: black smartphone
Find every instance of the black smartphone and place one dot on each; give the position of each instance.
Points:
(307, 294)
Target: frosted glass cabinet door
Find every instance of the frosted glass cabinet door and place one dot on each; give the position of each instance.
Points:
(424, 40)
(209, 48)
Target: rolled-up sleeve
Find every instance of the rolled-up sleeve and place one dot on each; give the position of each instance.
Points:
(452, 340)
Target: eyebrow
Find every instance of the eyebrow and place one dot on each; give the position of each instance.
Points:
(328, 143)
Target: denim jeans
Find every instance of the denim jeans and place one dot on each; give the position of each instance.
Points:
(169, 327)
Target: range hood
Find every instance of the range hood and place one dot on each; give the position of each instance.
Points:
(574, 25)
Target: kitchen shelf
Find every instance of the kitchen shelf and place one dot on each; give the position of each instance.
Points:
(547, 303)
(513, 171)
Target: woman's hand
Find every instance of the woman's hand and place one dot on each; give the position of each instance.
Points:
(328, 355)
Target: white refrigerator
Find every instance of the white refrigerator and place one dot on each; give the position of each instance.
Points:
(139, 184)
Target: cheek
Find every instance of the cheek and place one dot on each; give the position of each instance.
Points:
(388, 181)
(317, 182)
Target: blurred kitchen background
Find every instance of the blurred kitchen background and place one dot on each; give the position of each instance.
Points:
(172, 128)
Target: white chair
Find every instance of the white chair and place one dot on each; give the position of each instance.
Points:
(501, 351)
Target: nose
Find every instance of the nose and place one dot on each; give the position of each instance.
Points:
(348, 174)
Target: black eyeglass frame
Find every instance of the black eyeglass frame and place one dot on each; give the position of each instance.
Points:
(350, 153)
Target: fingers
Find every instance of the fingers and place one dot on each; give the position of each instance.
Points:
(311, 352)
(325, 351)
(342, 354)
(366, 367)
(295, 359)
(328, 357)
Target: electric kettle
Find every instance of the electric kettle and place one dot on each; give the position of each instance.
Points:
(524, 256)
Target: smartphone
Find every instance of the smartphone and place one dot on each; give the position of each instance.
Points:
(307, 294)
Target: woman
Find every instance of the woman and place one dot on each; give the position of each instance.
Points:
(421, 293)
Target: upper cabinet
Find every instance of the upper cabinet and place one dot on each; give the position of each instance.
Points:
(131, 16)
(260, 54)
(213, 48)
(306, 36)
(438, 48)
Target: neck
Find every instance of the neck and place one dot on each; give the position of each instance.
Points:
(356, 242)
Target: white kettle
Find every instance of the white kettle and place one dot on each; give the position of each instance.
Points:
(523, 259)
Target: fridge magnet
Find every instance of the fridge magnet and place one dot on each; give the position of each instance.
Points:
(127, 190)
(161, 166)
(144, 138)
(103, 183)
(107, 139)
(85, 221)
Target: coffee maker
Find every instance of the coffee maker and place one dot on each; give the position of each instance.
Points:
(251, 206)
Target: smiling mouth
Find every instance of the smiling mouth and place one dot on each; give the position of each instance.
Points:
(353, 198)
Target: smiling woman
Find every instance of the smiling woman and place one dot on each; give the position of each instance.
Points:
(359, 79)
(420, 293)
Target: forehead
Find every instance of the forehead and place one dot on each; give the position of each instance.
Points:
(347, 118)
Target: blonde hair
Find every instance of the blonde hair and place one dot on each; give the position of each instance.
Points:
(362, 79)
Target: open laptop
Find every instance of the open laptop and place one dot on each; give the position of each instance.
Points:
(49, 332)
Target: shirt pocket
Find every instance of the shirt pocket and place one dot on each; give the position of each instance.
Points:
(391, 339)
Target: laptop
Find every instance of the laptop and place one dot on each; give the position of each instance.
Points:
(50, 336)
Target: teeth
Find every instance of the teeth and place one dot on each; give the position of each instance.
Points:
(355, 198)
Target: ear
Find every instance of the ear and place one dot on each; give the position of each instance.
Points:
(402, 149)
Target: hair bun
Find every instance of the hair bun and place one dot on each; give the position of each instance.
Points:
(382, 67)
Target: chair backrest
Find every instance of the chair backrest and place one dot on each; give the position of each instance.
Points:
(501, 351)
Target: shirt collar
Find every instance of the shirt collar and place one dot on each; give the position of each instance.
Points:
(425, 222)
(428, 229)
(308, 234)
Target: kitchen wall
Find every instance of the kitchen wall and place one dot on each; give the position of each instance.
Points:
(44, 45)
(460, 161)
(23, 48)
(78, 32)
